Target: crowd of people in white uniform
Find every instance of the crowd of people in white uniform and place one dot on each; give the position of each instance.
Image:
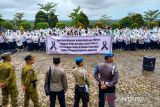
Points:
(123, 39)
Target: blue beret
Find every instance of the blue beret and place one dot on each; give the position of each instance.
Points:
(107, 55)
(79, 59)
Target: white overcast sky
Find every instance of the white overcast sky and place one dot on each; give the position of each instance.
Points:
(93, 8)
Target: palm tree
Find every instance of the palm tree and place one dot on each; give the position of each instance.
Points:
(104, 18)
(151, 15)
(18, 18)
(50, 6)
(75, 14)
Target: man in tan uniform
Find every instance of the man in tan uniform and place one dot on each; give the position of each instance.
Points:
(8, 81)
(81, 83)
(29, 82)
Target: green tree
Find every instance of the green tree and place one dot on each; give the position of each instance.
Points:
(116, 25)
(42, 25)
(1, 20)
(18, 18)
(40, 17)
(104, 19)
(26, 25)
(48, 7)
(83, 19)
(134, 25)
(75, 15)
(126, 22)
(153, 24)
(6, 25)
(60, 25)
(52, 20)
(50, 16)
(78, 16)
(151, 15)
(137, 18)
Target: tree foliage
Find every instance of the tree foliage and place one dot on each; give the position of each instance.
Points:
(26, 25)
(18, 17)
(79, 16)
(151, 15)
(126, 22)
(40, 17)
(153, 24)
(138, 19)
(42, 25)
(48, 7)
(134, 25)
(104, 19)
(60, 25)
(52, 20)
(49, 16)
(6, 25)
(116, 25)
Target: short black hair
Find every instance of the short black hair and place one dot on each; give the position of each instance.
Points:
(78, 63)
(56, 61)
(28, 58)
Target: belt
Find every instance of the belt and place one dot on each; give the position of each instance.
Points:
(80, 85)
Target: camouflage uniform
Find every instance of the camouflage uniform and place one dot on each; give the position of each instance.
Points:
(8, 77)
(29, 79)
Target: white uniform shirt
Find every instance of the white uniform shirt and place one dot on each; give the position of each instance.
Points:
(1, 39)
(35, 39)
(29, 39)
(42, 38)
(19, 40)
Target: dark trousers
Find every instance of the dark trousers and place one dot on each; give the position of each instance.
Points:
(10, 45)
(14, 45)
(114, 46)
(126, 48)
(36, 46)
(24, 44)
(107, 95)
(119, 44)
(30, 46)
(146, 45)
(42, 45)
(1, 46)
(6, 46)
(80, 93)
(61, 98)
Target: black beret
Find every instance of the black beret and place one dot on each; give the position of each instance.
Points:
(28, 57)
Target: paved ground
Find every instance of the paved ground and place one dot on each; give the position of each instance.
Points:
(135, 88)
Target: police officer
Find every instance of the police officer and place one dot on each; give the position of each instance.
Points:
(29, 82)
(58, 83)
(8, 81)
(81, 83)
(107, 75)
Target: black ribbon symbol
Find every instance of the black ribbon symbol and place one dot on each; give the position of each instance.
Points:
(53, 46)
(104, 45)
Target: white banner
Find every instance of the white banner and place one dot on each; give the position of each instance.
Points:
(79, 44)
